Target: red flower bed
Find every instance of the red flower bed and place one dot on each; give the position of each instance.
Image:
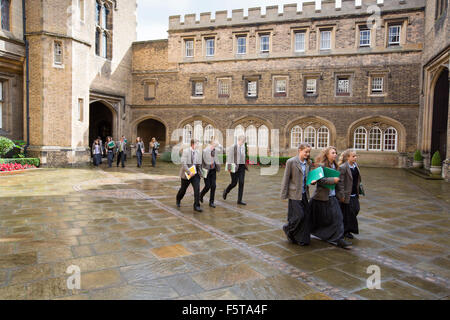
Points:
(14, 167)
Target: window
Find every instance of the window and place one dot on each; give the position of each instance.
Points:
(189, 46)
(296, 137)
(197, 90)
(377, 85)
(105, 45)
(311, 86)
(241, 45)
(209, 47)
(1, 105)
(264, 43)
(106, 17)
(310, 136)
(441, 8)
(300, 42)
(280, 87)
(375, 139)
(149, 90)
(209, 134)
(224, 88)
(238, 131)
(187, 134)
(394, 35)
(343, 86)
(360, 139)
(103, 31)
(57, 53)
(5, 14)
(323, 137)
(80, 110)
(97, 42)
(252, 88)
(98, 9)
(198, 132)
(325, 40)
(364, 37)
(251, 137)
(263, 137)
(81, 9)
(390, 139)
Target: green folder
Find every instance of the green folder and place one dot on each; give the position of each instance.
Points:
(315, 175)
(331, 173)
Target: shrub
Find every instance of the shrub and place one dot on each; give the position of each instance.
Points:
(418, 156)
(166, 156)
(436, 159)
(23, 161)
(6, 146)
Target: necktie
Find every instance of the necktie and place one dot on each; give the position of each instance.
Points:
(212, 158)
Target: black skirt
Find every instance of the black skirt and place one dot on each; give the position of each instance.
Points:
(298, 228)
(327, 221)
(350, 212)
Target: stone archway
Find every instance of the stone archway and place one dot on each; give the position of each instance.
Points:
(440, 115)
(152, 128)
(101, 121)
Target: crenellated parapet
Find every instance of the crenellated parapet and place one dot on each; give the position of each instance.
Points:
(307, 10)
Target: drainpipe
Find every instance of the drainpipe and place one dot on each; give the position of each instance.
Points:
(27, 58)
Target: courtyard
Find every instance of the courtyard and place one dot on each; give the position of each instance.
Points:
(121, 227)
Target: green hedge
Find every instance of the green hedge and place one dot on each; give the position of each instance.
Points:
(436, 159)
(23, 161)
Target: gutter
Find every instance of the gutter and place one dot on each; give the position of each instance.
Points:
(27, 58)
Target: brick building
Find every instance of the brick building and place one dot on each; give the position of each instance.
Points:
(348, 73)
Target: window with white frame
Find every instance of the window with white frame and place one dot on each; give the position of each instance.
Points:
(325, 40)
(323, 137)
(296, 137)
(209, 134)
(300, 41)
(210, 48)
(189, 48)
(57, 53)
(343, 85)
(251, 136)
(187, 134)
(311, 86)
(264, 40)
(224, 88)
(390, 139)
(377, 86)
(252, 88)
(394, 35)
(375, 137)
(241, 45)
(263, 137)
(364, 37)
(197, 89)
(310, 136)
(198, 133)
(280, 87)
(360, 139)
(238, 131)
(1, 105)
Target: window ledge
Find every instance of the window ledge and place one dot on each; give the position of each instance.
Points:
(58, 66)
(197, 98)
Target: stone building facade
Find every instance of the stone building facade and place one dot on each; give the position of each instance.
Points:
(325, 75)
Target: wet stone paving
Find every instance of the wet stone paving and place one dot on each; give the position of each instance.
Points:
(121, 227)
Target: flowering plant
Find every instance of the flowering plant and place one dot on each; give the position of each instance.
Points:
(14, 167)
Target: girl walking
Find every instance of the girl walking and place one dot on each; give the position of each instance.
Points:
(110, 146)
(97, 152)
(139, 151)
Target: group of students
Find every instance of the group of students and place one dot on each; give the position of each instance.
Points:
(195, 165)
(331, 213)
(111, 148)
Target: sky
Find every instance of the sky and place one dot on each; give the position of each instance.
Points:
(153, 15)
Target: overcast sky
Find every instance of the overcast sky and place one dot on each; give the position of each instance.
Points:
(153, 15)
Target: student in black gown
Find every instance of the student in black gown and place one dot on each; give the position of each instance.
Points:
(349, 182)
(294, 188)
(327, 221)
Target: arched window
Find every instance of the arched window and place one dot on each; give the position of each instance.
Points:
(323, 137)
(360, 139)
(187, 134)
(296, 137)
(198, 133)
(103, 32)
(98, 10)
(375, 139)
(238, 131)
(5, 14)
(310, 136)
(263, 137)
(104, 45)
(209, 134)
(390, 139)
(251, 136)
(97, 42)
(106, 17)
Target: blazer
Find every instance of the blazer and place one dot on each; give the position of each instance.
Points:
(124, 146)
(346, 182)
(140, 146)
(187, 162)
(322, 193)
(233, 154)
(292, 183)
(207, 160)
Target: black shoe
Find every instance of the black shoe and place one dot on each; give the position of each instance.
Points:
(198, 209)
(242, 203)
(349, 235)
(178, 204)
(201, 199)
(343, 244)
(212, 205)
(224, 195)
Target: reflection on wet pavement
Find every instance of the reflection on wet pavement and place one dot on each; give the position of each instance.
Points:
(122, 229)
